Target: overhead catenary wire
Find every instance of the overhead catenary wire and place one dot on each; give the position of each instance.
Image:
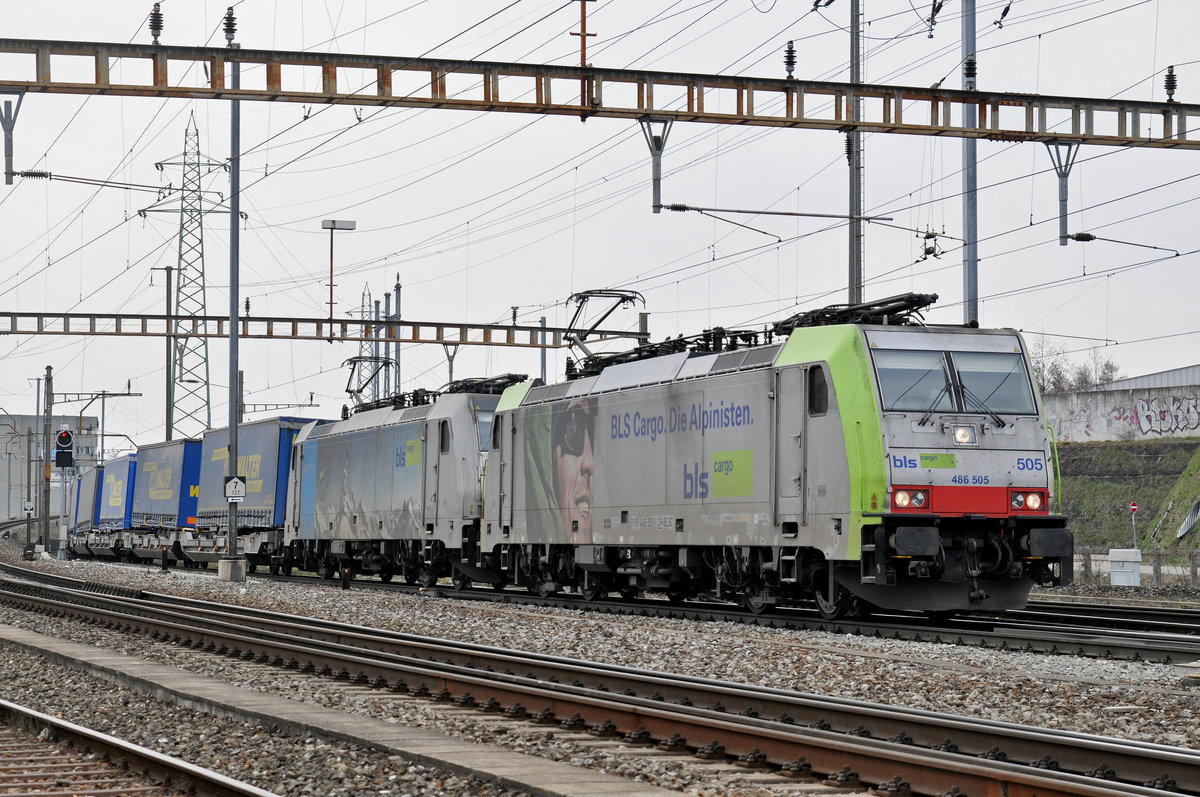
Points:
(474, 225)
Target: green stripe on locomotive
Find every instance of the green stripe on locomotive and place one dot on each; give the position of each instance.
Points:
(844, 349)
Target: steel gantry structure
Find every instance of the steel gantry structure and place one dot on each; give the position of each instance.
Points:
(351, 330)
(399, 81)
(606, 93)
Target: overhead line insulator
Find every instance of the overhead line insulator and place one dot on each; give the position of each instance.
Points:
(230, 24)
(156, 22)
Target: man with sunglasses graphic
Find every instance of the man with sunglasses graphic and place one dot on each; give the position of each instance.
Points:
(572, 430)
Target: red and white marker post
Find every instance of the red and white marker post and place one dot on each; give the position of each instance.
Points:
(1133, 516)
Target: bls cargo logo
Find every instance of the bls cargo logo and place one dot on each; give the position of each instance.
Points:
(730, 475)
(926, 461)
(695, 482)
(409, 455)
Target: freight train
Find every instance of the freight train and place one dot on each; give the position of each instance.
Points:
(853, 457)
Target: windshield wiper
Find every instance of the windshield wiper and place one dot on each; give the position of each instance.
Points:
(929, 412)
(979, 403)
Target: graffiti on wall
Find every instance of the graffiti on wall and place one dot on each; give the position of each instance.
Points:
(1167, 415)
(1076, 418)
(1118, 415)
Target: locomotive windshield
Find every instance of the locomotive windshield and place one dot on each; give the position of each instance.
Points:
(485, 408)
(934, 381)
(916, 381)
(996, 380)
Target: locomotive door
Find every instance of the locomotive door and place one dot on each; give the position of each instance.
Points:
(826, 480)
(503, 444)
(789, 445)
(437, 459)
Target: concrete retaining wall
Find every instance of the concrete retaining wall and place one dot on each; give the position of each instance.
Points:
(1124, 414)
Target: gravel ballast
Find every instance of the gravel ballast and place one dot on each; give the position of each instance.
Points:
(1123, 699)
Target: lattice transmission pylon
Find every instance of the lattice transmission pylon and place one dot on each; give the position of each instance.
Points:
(189, 407)
(368, 386)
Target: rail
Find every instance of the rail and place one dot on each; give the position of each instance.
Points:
(163, 768)
(929, 753)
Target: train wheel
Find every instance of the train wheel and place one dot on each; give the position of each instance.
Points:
(499, 586)
(250, 568)
(286, 570)
(410, 577)
(754, 599)
(593, 590)
(676, 594)
(860, 608)
(385, 575)
(325, 570)
(629, 591)
(461, 581)
(427, 578)
(830, 611)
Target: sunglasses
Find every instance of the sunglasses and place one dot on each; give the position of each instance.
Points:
(574, 428)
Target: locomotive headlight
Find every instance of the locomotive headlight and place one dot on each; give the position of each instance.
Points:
(910, 499)
(1027, 501)
(965, 436)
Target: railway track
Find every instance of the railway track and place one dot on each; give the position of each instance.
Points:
(1107, 615)
(1109, 632)
(1163, 635)
(44, 755)
(842, 742)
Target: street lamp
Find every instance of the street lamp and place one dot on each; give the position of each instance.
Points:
(331, 225)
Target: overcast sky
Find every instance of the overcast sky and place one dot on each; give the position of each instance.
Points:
(478, 213)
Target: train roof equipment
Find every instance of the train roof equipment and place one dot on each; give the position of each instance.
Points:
(486, 385)
(900, 310)
(620, 298)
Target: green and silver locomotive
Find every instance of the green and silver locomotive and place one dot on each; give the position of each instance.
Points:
(855, 458)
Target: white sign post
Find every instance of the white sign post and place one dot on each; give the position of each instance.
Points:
(235, 489)
(1133, 514)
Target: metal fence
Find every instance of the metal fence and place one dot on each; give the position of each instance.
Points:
(1158, 568)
